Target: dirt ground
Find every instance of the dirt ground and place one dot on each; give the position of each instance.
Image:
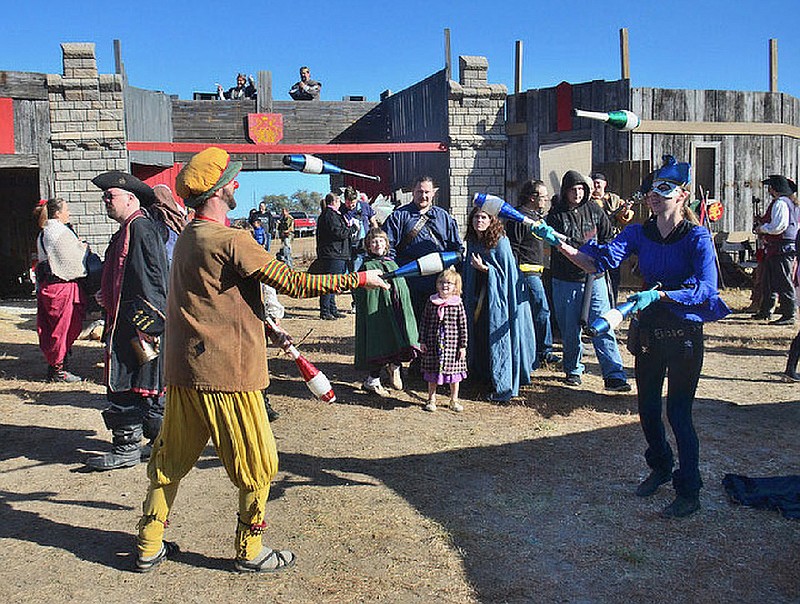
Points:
(526, 502)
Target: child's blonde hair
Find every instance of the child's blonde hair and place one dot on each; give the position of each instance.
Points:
(450, 275)
(375, 233)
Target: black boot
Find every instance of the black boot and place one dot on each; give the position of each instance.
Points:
(786, 316)
(791, 375)
(272, 415)
(650, 484)
(125, 453)
(682, 506)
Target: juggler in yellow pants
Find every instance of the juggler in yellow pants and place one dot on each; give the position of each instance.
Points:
(238, 426)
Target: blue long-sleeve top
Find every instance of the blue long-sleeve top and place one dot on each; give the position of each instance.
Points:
(683, 262)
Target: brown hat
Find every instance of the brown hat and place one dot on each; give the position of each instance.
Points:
(126, 182)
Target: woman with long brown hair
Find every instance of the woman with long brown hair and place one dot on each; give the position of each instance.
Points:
(61, 301)
(502, 341)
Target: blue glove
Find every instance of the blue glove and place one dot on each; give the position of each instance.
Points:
(544, 231)
(644, 299)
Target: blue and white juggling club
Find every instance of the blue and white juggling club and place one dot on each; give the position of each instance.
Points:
(430, 264)
(495, 206)
(308, 164)
(612, 319)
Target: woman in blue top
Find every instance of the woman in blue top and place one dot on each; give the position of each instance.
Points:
(678, 253)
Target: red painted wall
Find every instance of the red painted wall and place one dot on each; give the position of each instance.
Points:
(6, 125)
(156, 175)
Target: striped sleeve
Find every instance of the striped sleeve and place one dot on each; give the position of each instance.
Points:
(298, 284)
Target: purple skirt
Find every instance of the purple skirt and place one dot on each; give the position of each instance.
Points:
(438, 378)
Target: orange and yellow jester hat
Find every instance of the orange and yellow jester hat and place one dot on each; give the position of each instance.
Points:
(205, 174)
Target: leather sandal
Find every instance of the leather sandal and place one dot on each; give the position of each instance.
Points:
(168, 550)
(268, 561)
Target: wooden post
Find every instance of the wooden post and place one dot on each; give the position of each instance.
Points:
(119, 67)
(773, 65)
(518, 67)
(448, 63)
(624, 54)
(264, 87)
(264, 105)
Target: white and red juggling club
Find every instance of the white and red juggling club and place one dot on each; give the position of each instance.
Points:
(611, 319)
(621, 119)
(309, 164)
(430, 264)
(317, 382)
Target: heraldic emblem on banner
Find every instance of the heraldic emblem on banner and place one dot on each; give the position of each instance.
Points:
(265, 128)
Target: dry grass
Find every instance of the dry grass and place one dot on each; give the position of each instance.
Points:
(527, 502)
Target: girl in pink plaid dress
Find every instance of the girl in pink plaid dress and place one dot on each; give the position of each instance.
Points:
(443, 339)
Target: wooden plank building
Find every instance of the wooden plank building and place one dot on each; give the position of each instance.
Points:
(733, 139)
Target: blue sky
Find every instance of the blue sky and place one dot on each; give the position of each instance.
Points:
(363, 48)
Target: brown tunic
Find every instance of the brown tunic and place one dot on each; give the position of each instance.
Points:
(215, 318)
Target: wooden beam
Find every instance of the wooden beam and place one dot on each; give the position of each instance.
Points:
(448, 59)
(264, 105)
(19, 160)
(624, 54)
(518, 67)
(516, 128)
(343, 148)
(773, 65)
(717, 128)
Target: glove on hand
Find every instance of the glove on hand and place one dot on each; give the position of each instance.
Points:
(544, 231)
(644, 299)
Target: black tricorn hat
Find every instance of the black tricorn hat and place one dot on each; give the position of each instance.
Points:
(780, 184)
(126, 182)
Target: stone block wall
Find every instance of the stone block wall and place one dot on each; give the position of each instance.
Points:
(477, 136)
(87, 137)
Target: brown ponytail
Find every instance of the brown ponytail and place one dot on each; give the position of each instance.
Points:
(47, 208)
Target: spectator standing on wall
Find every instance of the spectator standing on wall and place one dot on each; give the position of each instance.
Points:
(306, 89)
(245, 89)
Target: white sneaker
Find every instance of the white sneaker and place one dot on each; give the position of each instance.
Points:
(395, 379)
(431, 406)
(456, 406)
(372, 384)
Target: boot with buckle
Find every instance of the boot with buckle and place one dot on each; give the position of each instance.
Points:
(125, 453)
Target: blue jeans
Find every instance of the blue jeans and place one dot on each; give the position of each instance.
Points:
(567, 302)
(285, 254)
(327, 302)
(267, 240)
(540, 310)
(682, 360)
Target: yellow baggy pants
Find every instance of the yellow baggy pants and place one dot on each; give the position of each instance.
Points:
(238, 426)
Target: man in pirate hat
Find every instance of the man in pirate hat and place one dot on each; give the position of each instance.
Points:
(133, 293)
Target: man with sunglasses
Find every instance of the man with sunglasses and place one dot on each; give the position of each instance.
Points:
(133, 293)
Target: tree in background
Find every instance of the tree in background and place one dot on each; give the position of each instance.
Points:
(307, 202)
(302, 201)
